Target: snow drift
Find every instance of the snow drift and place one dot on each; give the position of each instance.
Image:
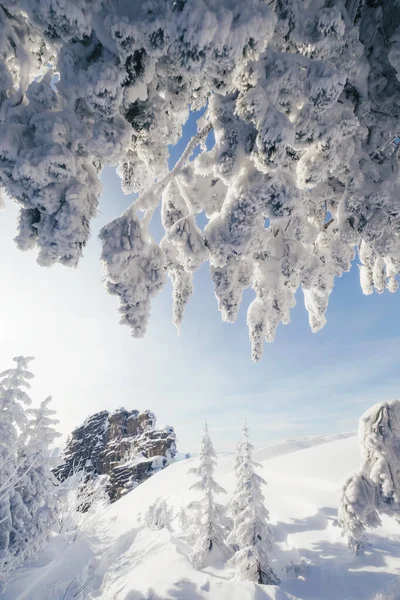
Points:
(120, 559)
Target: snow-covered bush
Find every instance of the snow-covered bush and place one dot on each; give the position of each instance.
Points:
(182, 517)
(251, 538)
(83, 503)
(375, 488)
(296, 570)
(302, 97)
(158, 515)
(209, 523)
(391, 591)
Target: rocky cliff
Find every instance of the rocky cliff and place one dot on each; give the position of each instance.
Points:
(124, 445)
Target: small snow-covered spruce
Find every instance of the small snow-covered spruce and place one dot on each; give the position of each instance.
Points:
(182, 517)
(158, 515)
(374, 489)
(303, 101)
(251, 537)
(210, 524)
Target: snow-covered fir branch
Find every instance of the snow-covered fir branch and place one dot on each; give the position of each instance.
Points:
(303, 101)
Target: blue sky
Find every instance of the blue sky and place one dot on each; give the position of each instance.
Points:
(306, 383)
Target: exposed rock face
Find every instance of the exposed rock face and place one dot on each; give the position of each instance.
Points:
(124, 445)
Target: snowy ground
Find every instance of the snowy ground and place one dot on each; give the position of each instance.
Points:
(120, 560)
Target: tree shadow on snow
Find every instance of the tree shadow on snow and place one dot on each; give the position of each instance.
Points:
(150, 595)
(183, 589)
(319, 521)
(334, 572)
(262, 592)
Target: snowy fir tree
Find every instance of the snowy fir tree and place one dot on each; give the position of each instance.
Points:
(251, 537)
(28, 502)
(302, 100)
(374, 489)
(210, 523)
(13, 420)
(38, 485)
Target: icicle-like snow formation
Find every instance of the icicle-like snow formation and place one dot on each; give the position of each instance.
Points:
(302, 97)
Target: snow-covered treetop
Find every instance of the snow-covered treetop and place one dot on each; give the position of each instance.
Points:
(302, 97)
(207, 463)
(14, 398)
(40, 432)
(19, 376)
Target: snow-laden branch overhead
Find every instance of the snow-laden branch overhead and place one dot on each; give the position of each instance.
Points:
(303, 101)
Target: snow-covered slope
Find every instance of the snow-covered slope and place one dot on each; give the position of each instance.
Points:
(124, 561)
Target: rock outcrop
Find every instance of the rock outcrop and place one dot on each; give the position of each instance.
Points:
(124, 445)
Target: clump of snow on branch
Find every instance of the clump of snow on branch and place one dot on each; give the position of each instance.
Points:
(303, 101)
(135, 269)
(374, 489)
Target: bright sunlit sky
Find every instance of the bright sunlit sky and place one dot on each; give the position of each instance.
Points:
(306, 383)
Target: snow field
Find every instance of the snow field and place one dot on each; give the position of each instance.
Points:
(119, 559)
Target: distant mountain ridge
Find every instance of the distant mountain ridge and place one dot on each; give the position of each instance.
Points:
(124, 445)
(295, 444)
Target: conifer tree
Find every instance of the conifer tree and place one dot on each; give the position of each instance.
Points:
(210, 524)
(38, 486)
(374, 489)
(251, 537)
(28, 498)
(13, 421)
